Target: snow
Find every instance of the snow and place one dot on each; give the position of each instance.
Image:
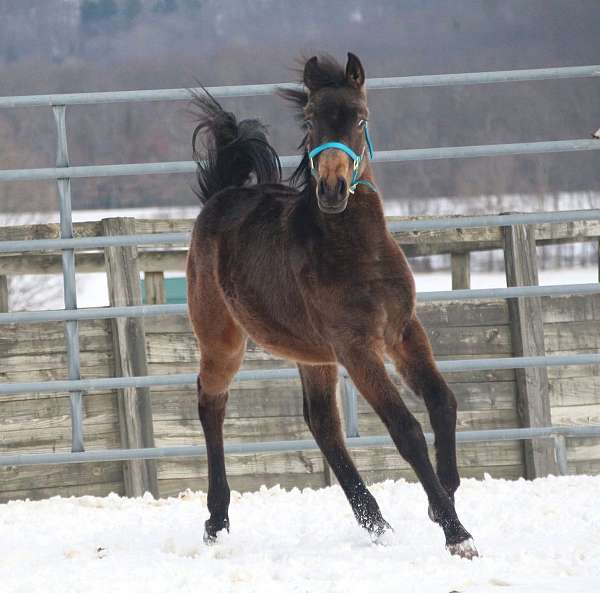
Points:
(443, 280)
(533, 537)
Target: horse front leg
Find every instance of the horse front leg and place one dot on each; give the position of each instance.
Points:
(322, 417)
(211, 410)
(414, 361)
(216, 373)
(367, 370)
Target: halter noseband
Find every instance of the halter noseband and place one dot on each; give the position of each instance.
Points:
(356, 159)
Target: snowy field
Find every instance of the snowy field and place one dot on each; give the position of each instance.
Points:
(533, 537)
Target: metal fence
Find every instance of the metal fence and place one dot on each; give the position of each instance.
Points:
(63, 173)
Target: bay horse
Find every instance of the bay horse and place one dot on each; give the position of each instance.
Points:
(310, 272)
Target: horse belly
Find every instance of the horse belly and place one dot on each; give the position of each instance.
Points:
(284, 331)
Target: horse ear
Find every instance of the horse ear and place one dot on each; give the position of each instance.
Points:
(355, 73)
(309, 76)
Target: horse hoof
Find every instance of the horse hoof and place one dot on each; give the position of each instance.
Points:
(465, 549)
(208, 538)
(379, 533)
(211, 532)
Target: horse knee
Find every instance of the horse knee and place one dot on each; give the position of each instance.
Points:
(216, 375)
(208, 399)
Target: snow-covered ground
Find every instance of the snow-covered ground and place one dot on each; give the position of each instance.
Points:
(533, 537)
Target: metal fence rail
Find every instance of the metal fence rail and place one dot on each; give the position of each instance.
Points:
(558, 433)
(395, 226)
(254, 90)
(181, 309)
(63, 173)
(448, 366)
(380, 156)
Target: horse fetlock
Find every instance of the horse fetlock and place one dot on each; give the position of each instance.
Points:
(371, 519)
(212, 527)
(448, 477)
(459, 541)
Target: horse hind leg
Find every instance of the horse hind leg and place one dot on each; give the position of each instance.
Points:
(367, 370)
(322, 417)
(222, 346)
(414, 361)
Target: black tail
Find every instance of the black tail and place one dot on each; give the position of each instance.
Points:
(234, 150)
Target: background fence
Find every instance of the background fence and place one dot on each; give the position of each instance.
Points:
(518, 327)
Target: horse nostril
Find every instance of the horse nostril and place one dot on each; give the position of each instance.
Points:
(342, 187)
(322, 187)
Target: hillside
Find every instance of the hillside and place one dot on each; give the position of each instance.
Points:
(72, 45)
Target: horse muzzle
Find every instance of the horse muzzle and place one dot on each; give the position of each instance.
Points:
(332, 198)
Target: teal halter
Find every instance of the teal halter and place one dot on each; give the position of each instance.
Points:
(356, 160)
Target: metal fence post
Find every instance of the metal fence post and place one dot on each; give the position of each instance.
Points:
(349, 405)
(70, 290)
(560, 450)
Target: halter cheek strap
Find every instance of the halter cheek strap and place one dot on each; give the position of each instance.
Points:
(356, 159)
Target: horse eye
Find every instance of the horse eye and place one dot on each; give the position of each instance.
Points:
(362, 123)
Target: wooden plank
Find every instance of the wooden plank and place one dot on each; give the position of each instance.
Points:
(164, 225)
(583, 449)
(527, 329)
(577, 307)
(504, 472)
(3, 294)
(591, 467)
(90, 262)
(248, 483)
(574, 371)
(51, 366)
(464, 313)
(28, 232)
(154, 284)
(492, 395)
(292, 462)
(269, 399)
(461, 270)
(583, 415)
(370, 424)
(575, 391)
(57, 439)
(239, 430)
(135, 405)
(456, 341)
(100, 489)
(30, 414)
(54, 345)
(35, 477)
(572, 336)
(468, 455)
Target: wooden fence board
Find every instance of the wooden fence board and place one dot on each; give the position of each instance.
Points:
(265, 411)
